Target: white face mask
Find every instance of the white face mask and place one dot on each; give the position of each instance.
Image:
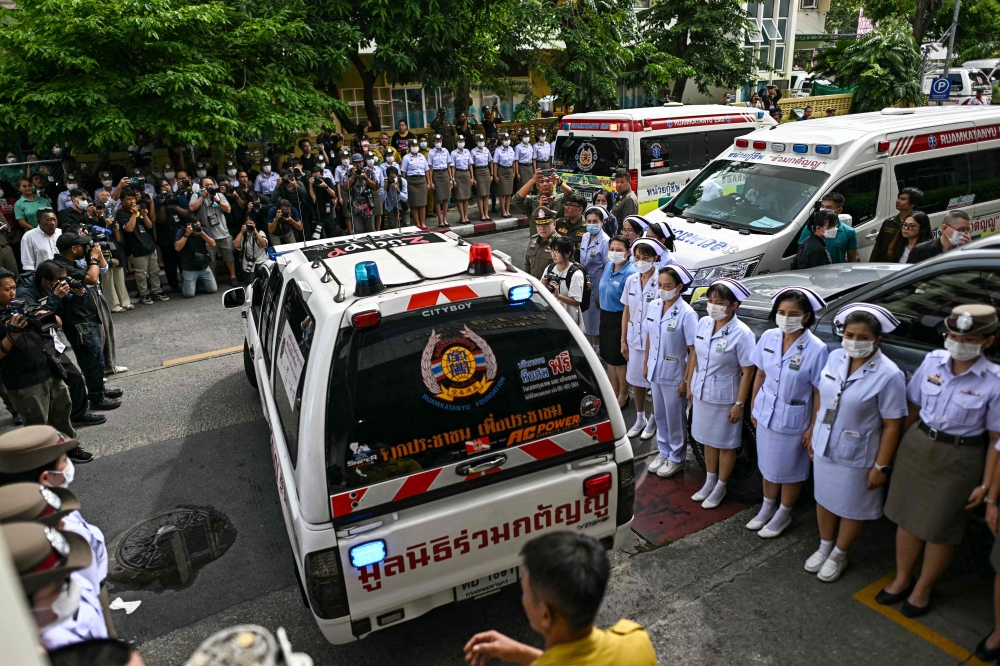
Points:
(481, 144)
(81, 204)
(526, 140)
(389, 158)
(643, 266)
(669, 295)
(201, 173)
(858, 348)
(168, 174)
(716, 311)
(788, 324)
(616, 257)
(11, 160)
(414, 150)
(267, 168)
(70, 186)
(423, 144)
(460, 144)
(370, 162)
(231, 173)
(958, 237)
(962, 351)
(345, 162)
(506, 142)
(437, 144)
(57, 151)
(64, 607)
(321, 165)
(106, 183)
(830, 233)
(68, 473)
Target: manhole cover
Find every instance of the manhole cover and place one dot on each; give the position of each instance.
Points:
(171, 546)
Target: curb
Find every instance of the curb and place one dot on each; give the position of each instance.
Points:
(504, 224)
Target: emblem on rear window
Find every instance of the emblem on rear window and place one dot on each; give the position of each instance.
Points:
(362, 455)
(586, 156)
(589, 406)
(456, 368)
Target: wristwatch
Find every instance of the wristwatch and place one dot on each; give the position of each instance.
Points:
(740, 404)
(885, 469)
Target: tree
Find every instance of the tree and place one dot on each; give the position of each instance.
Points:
(96, 73)
(699, 34)
(884, 65)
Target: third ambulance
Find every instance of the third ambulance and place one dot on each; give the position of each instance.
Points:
(742, 215)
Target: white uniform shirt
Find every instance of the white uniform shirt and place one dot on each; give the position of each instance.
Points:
(638, 298)
(524, 153)
(97, 570)
(965, 405)
(87, 623)
(504, 156)
(574, 290)
(721, 357)
(265, 183)
(461, 159)
(37, 247)
(340, 174)
(543, 151)
(481, 156)
(414, 165)
(670, 333)
(784, 402)
(64, 200)
(594, 255)
(876, 391)
(439, 158)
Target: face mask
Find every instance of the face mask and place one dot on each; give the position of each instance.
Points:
(858, 348)
(321, 165)
(81, 204)
(437, 144)
(52, 179)
(201, 173)
(669, 295)
(106, 183)
(788, 324)
(389, 158)
(506, 142)
(68, 473)
(267, 168)
(716, 311)
(11, 160)
(70, 186)
(231, 173)
(958, 237)
(643, 266)
(830, 233)
(460, 144)
(168, 174)
(64, 607)
(414, 150)
(481, 144)
(962, 351)
(593, 229)
(616, 257)
(370, 162)
(526, 141)
(57, 151)
(423, 144)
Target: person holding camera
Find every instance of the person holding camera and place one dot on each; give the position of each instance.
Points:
(564, 279)
(251, 245)
(283, 220)
(324, 198)
(80, 213)
(362, 184)
(137, 226)
(193, 245)
(394, 195)
(209, 208)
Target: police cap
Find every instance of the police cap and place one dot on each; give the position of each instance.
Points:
(32, 502)
(973, 319)
(32, 446)
(43, 555)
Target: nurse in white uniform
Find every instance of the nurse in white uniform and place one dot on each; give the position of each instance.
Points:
(594, 257)
(720, 386)
(640, 290)
(670, 329)
(662, 232)
(790, 361)
(860, 417)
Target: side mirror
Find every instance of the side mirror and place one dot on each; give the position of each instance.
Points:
(234, 298)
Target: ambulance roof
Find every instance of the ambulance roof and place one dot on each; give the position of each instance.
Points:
(654, 112)
(840, 129)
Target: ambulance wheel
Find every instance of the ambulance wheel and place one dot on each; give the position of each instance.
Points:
(745, 483)
(248, 365)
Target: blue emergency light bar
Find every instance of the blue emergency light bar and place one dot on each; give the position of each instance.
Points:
(520, 293)
(369, 553)
(800, 148)
(824, 150)
(366, 277)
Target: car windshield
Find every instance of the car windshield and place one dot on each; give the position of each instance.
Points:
(589, 155)
(433, 387)
(745, 195)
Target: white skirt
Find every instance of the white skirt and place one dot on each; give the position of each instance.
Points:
(781, 458)
(635, 370)
(710, 425)
(843, 490)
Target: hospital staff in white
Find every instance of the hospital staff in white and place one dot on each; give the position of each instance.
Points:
(594, 257)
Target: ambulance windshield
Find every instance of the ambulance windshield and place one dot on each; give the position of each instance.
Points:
(763, 198)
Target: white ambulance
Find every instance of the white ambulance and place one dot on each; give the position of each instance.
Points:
(662, 147)
(431, 408)
(744, 213)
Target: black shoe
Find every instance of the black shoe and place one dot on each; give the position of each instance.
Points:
(911, 611)
(113, 392)
(79, 456)
(106, 403)
(984, 653)
(88, 419)
(888, 598)
(16, 419)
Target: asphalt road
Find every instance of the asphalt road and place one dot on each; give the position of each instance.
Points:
(192, 434)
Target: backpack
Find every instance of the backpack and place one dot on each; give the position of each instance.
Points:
(574, 266)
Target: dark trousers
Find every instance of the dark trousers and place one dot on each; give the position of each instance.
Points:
(171, 264)
(86, 342)
(77, 389)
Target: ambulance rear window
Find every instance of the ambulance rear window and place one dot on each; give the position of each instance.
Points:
(432, 387)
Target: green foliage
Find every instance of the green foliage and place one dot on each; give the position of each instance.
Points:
(97, 72)
(827, 62)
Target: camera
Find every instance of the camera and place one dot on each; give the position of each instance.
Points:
(212, 191)
(197, 227)
(137, 181)
(71, 283)
(144, 206)
(100, 236)
(317, 180)
(98, 206)
(45, 322)
(183, 184)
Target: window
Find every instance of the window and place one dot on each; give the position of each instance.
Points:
(985, 175)
(355, 98)
(687, 151)
(722, 140)
(296, 327)
(861, 195)
(654, 153)
(809, 4)
(939, 178)
(259, 287)
(956, 83)
(779, 57)
(267, 315)
(596, 156)
(922, 306)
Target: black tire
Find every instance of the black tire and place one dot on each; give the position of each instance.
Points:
(745, 483)
(248, 366)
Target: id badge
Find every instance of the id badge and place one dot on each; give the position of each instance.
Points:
(671, 326)
(795, 362)
(721, 347)
(328, 208)
(649, 298)
(593, 253)
(829, 417)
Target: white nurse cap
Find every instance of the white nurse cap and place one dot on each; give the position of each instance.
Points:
(740, 292)
(815, 300)
(885, 318)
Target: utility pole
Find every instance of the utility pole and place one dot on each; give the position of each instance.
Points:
(951, 41)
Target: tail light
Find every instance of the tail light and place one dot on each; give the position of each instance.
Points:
(742, 143)
(759, 145)
(626, 492)
(325, 584)
(633, 177)
(366, 319)
(597, 485)
(882, 146)
(481, 259)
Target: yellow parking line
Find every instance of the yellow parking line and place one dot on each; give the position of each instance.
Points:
(202, 356)
(867, 597)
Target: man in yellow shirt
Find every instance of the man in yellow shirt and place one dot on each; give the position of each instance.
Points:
(562, 585)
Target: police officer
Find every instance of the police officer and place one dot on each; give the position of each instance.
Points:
(524, 156)
(378, 175)
(542, 151)
(790, 361)
(441, 181)
(571, 224)
(862, 402)
(481, 177)
(64, 607)
(503, 173)
(670, 329)
(267, 181)
(538, 256)
(461, 178)
(943, 465)
(32, 503)
(720, 381)
(63, 200)
(417, 172)
(594, 256)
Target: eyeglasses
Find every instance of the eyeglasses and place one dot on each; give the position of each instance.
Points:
(572, 203)
(911, 226)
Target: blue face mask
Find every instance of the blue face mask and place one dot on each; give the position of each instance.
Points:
(593, 229)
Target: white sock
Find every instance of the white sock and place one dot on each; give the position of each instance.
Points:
(826, 547)
(781, 516)
(838, 555)
(766, 510)
(718, 492)
(710, 481)
(640, 420)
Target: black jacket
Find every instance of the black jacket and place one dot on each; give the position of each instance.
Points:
(925, 250)
(812, 252)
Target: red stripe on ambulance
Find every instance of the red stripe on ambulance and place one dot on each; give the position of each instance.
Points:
(428, 299)
(344, 503)
(416, 484)
(542, 449)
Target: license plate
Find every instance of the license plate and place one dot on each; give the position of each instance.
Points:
(589, 196)
(486, 585)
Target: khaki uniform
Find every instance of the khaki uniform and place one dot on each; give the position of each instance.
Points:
(573, 231)
(529, 203)
(537, 258)
(626, 205)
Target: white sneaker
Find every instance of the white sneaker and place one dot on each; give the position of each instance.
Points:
(656, 463)
(709, 504)
(640, 423)
(649, 430)
(669, 469)
(831, 570)
(816, 562)
(767, 533)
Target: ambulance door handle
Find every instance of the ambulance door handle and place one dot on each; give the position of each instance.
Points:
(481, 465)
(872, 234)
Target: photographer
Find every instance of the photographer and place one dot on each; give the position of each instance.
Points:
(209, 208)
(394, 198)
(137, 225)
(113, 280)
(362, 183)
(282, 220)
(167, 225)
(295, 193)
(324, 197)
(192, 244)
(78, 311)
(251, 245)
(80, 213)
(564, 279)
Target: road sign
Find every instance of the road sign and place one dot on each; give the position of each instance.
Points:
(940, 90)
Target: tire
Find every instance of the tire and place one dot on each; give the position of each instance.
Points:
(248, 366)
(745, 483)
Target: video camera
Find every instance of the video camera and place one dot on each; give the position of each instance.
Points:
(102, 237)
(137, 181)
(18, 306)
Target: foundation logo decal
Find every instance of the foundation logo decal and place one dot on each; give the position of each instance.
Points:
(586, 156)
(457, 368)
